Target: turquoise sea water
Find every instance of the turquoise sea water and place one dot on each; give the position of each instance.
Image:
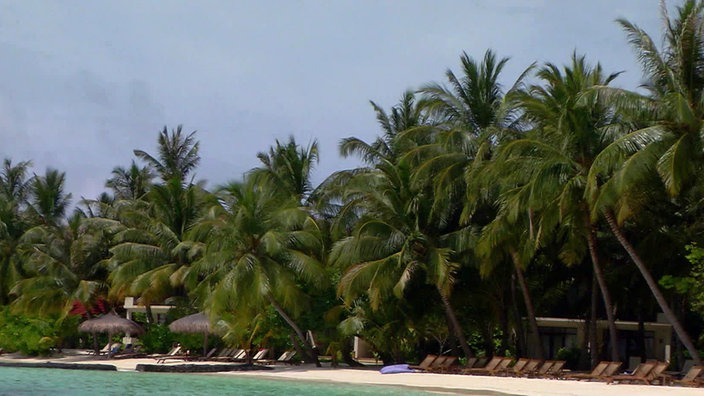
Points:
(58, 382)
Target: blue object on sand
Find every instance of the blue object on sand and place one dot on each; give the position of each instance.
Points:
(396, 368)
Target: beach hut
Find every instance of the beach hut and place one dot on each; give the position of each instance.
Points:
(196, 323)
(110, 323)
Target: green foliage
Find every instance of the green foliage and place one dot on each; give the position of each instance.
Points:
(157, 338)
(569, 355)
(691, 285)
(33, 336)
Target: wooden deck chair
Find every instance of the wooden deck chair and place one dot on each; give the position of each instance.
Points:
(656, 375)
(542, 370)
(692, 378)
(496, 365)
(517, 367)
(595, 373)
(173, 352)
(529, 369)
(445, 366)
(261, 355)
(425, 363)
(285, 358)
(490, 365)
(555, 371)
(227, 354)
(641, 373)
(437, 363)
(471, 362)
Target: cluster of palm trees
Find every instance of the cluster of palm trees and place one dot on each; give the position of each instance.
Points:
(476, 207)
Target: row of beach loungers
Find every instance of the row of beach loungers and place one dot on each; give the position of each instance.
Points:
(228, 355)
(650, 373)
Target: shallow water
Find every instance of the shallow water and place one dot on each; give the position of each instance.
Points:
(58, 382)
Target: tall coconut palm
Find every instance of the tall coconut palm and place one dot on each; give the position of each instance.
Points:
(288, 167)
(556, 156)
(14, 192)
(395, 241)
(178, 154)
(260, 246)
(130, 183)
(668, 122)
(48, 202)
(151, 255)
(62, 265)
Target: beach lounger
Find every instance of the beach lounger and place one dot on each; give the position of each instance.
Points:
(641, 373)
(495, 365)
(444, 366)
(261, 355)
(692, 378)
(423, 365)
(173, 352)
(596, 372)
(229, 354)
(555, 370)
(188, 357)
(530, 368)
(517, 367)
(542, 369)
(285, 358)
(471, 362)
(439, 361)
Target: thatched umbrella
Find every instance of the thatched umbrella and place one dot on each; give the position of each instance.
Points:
(196, 323)
(110, 323)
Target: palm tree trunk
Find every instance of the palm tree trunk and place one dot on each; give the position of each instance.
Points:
(648, 277)
(606, 296)
(528, 301)
(455, 324)
(593, 350)
(280, 310)
(521, 344)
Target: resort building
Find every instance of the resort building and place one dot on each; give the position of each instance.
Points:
(558, 333)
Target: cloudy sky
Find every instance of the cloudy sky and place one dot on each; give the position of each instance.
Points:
(83, 83)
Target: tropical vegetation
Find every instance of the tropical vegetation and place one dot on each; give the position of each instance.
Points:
(478, 208)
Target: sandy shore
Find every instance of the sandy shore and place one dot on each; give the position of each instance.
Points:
(453, 384)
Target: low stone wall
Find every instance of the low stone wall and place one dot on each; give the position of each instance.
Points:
(198, 368)
(66, 366)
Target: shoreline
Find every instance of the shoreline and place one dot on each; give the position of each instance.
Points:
(435, 383)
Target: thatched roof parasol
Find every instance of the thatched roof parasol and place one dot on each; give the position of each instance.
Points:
(110, 323)
(196, 323)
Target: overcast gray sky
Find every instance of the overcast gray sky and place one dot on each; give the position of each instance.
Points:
(83, 83)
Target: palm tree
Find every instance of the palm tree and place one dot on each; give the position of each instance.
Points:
(48, 202)
(14, 192)
(288, 167)
(394, 241)
(667, 138)
(554, 160)
(131, 183)
(260, 246)
(62, 266)
(178, 154)
(152, 252)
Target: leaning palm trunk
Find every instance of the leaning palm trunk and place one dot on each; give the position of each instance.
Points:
(455, 324)
(309, 349)
(671, 317)
(593, 350)
(528, 301)
(608, 306)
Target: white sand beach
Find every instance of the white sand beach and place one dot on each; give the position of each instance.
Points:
(450, 383)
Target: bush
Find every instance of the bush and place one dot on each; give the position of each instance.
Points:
(157, 338)
(33, 336)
